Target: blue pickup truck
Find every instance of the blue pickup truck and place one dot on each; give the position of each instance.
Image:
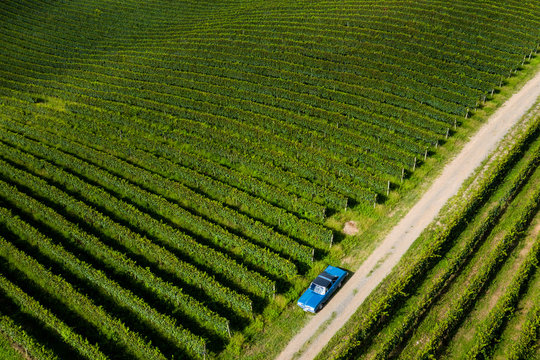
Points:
(321, 289)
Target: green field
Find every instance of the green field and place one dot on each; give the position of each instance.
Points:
(172, 173)
(469, 287)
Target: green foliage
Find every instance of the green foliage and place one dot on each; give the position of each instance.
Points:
(396, 290)
(12, 334)
(114, 259)
(205, 142)
(504, 308)
(136, 243)
(30, 306)
(461, 306)
(525, 343)
(158, 322)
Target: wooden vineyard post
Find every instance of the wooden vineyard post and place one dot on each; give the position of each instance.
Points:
(388, 188)
(425, 155)
(402, 173)
(414, 164)
(455, 124)
(467, 113)
(375, 200)
(447, 132)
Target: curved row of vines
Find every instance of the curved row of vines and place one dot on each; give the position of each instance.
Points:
(166, 168)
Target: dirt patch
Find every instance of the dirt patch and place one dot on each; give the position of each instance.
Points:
(350, 228)
(21, 350)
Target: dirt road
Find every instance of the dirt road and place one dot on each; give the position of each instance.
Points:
(386, 256)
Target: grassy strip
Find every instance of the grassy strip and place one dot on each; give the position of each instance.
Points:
(8, 349)
(526, 310)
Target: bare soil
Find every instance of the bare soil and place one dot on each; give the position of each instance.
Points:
(21, 350)
(379, 264)
(350, 228)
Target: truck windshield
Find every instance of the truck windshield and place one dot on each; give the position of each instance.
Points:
(321, 290)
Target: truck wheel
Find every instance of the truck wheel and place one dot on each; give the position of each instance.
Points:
(319, 307)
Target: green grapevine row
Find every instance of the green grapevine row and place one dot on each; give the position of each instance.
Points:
(160, 323)
(461, 305)
(146, 200)
(165, 187)
(116, 260)
(307, 231)
(430, 293)
(204, 255)
(154, 144)
(31, 307)
(505, 305)
(62, 291)
(159, 256)
(396, 288)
